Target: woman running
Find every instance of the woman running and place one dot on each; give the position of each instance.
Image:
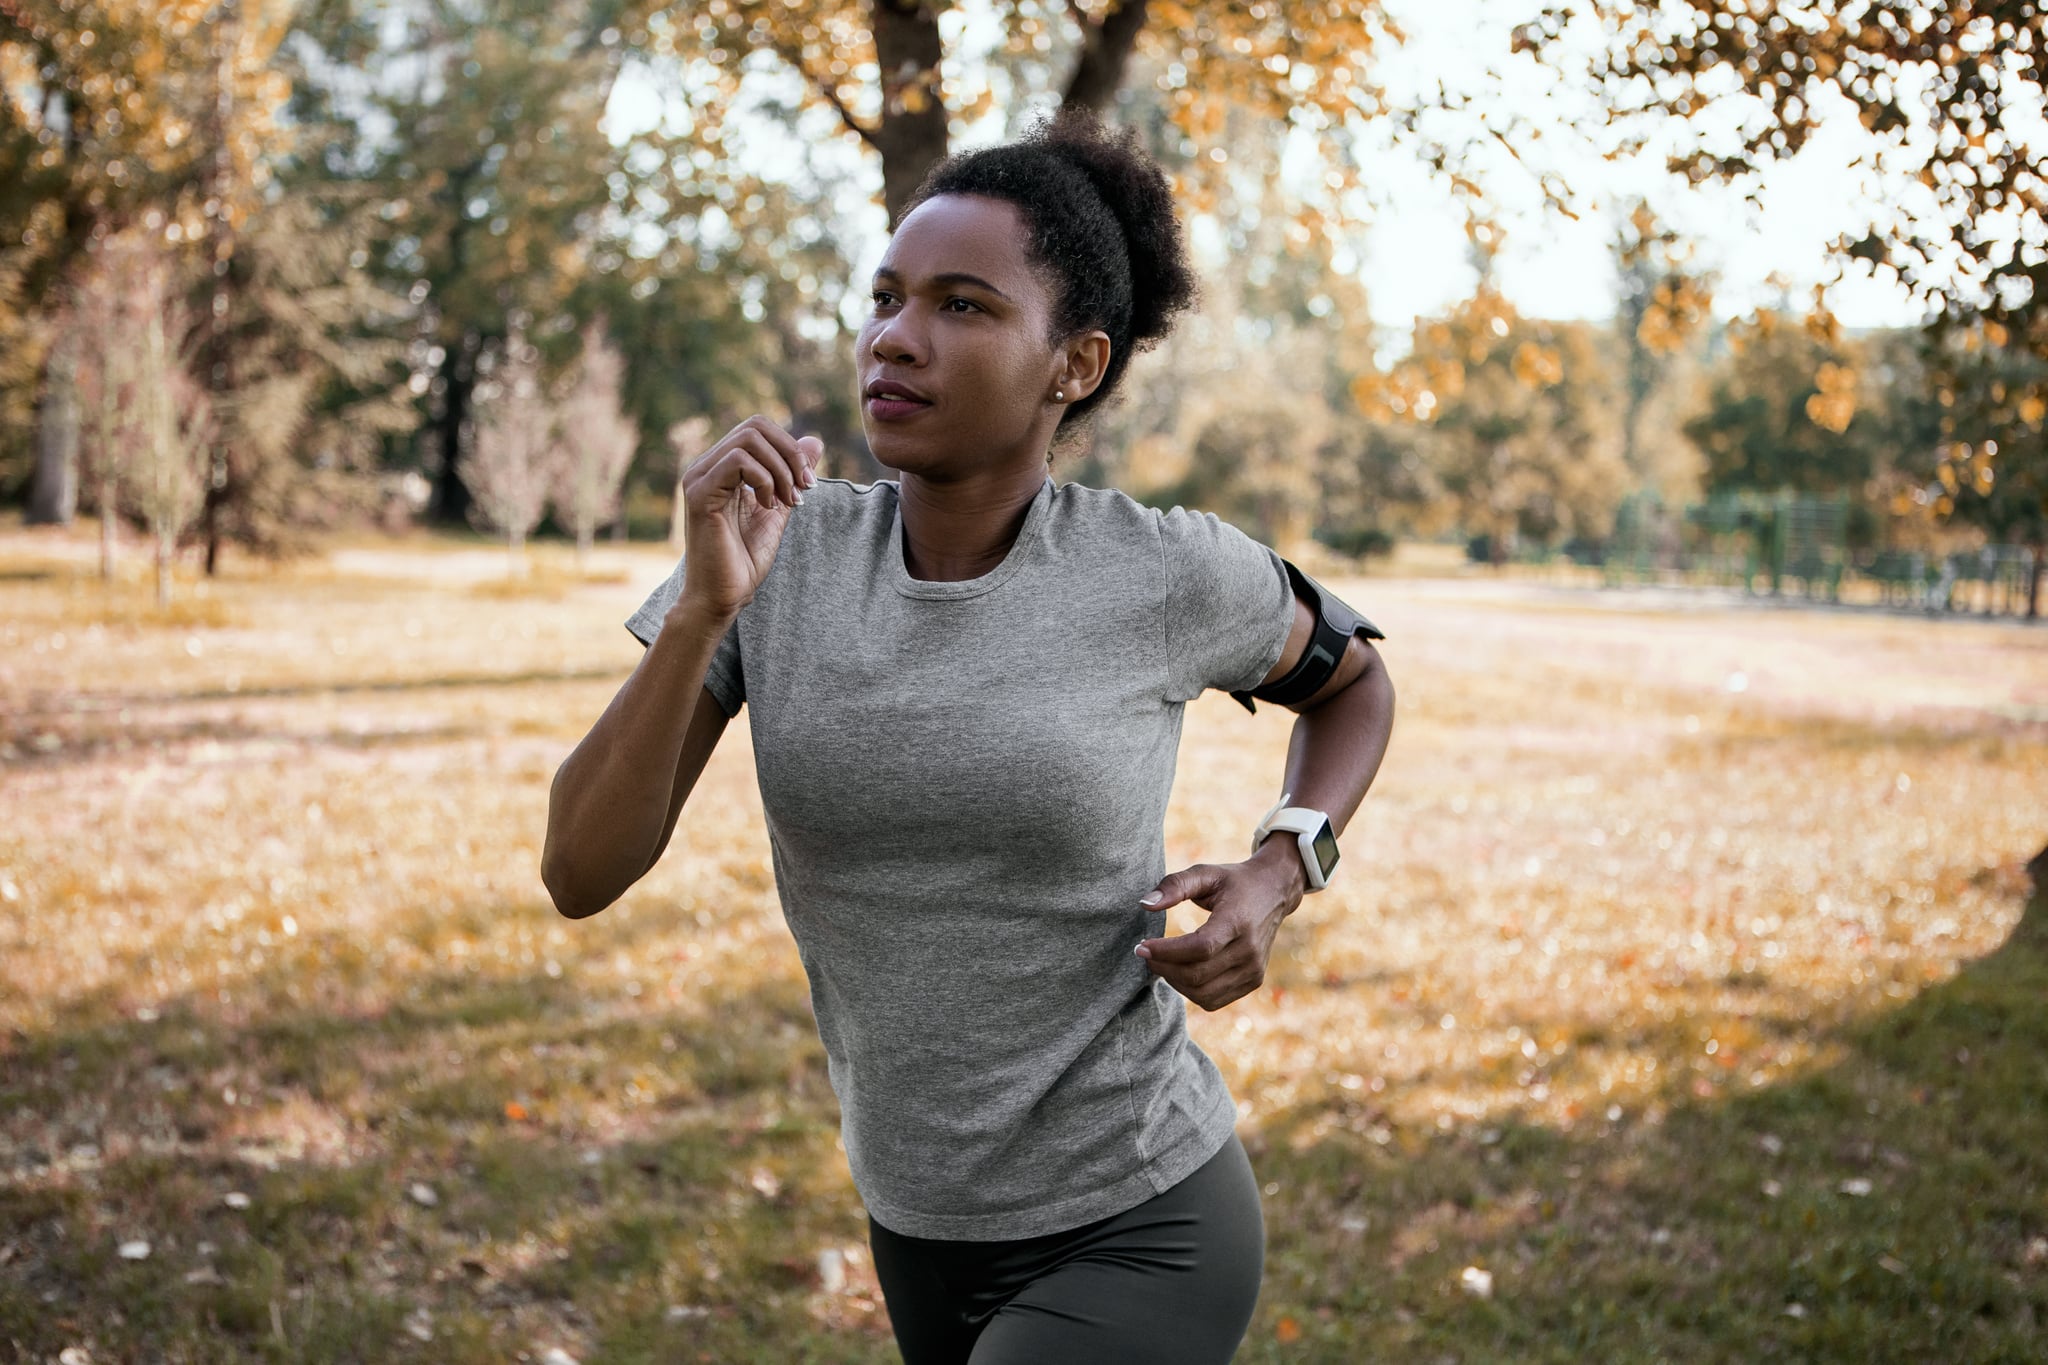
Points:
(965, 689)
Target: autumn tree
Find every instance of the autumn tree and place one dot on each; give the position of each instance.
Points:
(99, 306)
(176, 428)
(513, 467)
(476, 132)
(1521, 416)
(1789, 407)
(687, 440)
(1949, 98)
(116, 109)
(597, 440)
(1660, 312)
(882, 68)
(1949, 95)
(171, 117)
(1237, 409)
(92, 128)
(1986, 469)
(149, 418)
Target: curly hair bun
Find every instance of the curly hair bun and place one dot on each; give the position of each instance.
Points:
(1132, 187)
(1101, 220)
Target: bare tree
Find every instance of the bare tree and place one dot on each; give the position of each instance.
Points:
(598, 440)
(106, 394)
(512, 467)
(686, 442)
(178, 428)
(148, 422)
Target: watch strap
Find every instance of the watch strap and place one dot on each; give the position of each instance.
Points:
(1303, 823)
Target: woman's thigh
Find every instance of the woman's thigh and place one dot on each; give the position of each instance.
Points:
(1174, 1279)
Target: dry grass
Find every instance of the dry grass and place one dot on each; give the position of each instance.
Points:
(1673, 981)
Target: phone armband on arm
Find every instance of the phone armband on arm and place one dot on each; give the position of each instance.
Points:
(1335, 624)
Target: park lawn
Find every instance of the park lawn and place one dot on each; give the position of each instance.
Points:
(1679, 991)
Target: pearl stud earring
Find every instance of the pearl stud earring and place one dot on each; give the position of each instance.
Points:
(1059, 395)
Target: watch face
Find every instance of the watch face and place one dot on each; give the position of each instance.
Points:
(1326, 849)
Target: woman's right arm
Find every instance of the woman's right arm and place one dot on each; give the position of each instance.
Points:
(617, 796)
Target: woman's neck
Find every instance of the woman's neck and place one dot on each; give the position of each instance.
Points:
(953, 531)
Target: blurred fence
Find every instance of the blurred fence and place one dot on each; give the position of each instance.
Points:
(1784, 544)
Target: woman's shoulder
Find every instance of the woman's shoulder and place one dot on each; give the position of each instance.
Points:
(1114, 512)
(1080, 509)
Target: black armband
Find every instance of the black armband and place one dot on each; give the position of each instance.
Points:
(1335, 625)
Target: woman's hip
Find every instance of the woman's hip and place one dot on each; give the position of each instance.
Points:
(1174, 1278)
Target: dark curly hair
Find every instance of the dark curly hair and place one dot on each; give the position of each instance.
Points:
(1102, 227)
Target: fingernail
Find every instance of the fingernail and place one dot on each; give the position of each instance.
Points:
(799, 499)
(1150, 898)
(1142, 951)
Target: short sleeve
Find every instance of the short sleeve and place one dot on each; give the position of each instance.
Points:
(1229, 606)
(724, 677)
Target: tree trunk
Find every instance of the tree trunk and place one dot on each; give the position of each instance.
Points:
(515, 553)
(221, 485)
(1105, 51)
(164, 540)
(586, 534)
(2034, 568)
(912, 135)
(106, 530)
(458, 372)
(675, 519)
(53, 496)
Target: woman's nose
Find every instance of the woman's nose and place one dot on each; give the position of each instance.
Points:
(900, 340)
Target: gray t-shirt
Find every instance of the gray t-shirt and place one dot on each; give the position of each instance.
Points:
(965, 786)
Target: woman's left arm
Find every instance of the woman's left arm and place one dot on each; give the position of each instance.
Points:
(1340, 735)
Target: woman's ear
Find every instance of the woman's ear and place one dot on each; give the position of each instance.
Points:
(1087, 360)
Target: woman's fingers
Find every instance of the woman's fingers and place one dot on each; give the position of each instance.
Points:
(739, 466)
(790, 449)
(779, 453)
(752, 456)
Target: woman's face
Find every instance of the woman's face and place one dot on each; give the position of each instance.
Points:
(960, 328)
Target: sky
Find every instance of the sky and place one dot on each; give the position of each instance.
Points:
(1416, 260)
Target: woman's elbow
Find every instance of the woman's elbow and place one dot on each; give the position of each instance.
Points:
(571, 900)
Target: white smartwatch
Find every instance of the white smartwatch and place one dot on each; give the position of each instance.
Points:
(1312, 833)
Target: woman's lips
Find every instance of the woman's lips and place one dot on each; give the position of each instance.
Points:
(890, 408)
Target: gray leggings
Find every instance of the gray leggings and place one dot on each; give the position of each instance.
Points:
(1171, 1280)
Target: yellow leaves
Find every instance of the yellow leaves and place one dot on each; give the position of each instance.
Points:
(1369, 392)
(1678, 306)
(1761, 326)
(1287, 1331)
(1834, 407)
(1821, 324)
(1538, 366)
